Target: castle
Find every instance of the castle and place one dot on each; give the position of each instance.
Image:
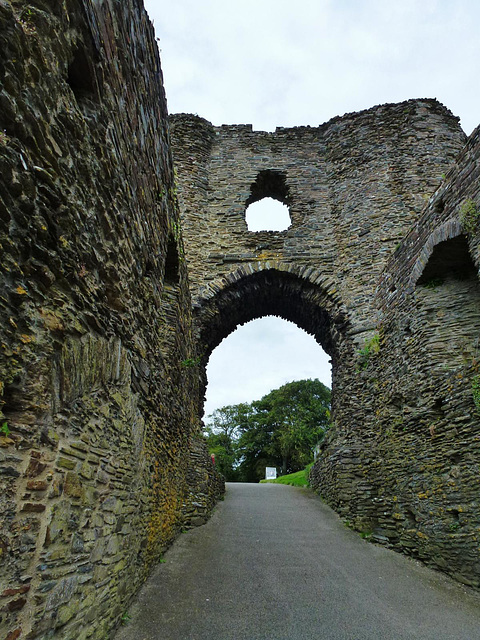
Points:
(121, 275)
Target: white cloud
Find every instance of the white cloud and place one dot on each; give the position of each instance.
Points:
(282, 63)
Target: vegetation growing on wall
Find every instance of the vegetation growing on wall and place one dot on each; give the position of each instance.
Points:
(476, 392)
(469, 215)
(370, 348)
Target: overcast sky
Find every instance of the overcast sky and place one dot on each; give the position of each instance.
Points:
(275, 63)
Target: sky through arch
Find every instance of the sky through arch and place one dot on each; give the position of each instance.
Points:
(267, 214)
(260, 356)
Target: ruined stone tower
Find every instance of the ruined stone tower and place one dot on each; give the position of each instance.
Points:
(118, 281)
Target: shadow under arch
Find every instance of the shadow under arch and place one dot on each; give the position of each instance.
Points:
(270, 292)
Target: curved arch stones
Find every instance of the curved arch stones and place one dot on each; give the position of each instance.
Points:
(108, 301)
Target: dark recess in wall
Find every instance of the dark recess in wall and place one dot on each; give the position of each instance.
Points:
(80, 77)
(172, 274)
(269, 184)
(450, 258)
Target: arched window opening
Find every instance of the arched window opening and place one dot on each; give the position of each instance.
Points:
(448, 305)
(449, 260)
(81, 78)
(172, 270)
(267, 215)
(267, 205)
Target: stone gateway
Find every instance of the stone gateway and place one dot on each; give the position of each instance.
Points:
(120, 275)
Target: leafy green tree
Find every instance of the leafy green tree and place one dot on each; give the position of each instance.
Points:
(255, 445)
(222, 432)
(224, 449)
(230, 420)
(287, 424)
(279, 430)
(300, 411)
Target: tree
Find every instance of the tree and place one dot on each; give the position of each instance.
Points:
(279, 430)
(300, 411)
(291, 419)
(230, 420)
(222, 432)
(224, 449)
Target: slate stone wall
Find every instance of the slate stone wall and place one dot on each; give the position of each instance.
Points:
(101, 461)
(424, 381)
(418, 448)
(97, 407)
(358, 269)
(354, 186)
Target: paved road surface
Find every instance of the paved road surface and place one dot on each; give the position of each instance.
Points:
(274, 563)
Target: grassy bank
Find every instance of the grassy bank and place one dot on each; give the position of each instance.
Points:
(297, 479)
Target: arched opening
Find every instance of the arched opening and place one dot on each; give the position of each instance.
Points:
(450, 260)
(268, 400)
(271, 292)
(448, 301)
(287, 296)
(260, 356)
(267, 206)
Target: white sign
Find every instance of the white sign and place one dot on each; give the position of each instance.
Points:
(270, 473)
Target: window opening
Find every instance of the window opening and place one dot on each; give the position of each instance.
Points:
(80, 75)
(267, 215)
(172, 271)
(267, 205)
(449, 259)
(448, 307)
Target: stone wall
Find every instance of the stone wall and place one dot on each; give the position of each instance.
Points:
(419, 450)
(381, 272)
(101, 460)
(98, 407)
(204, 488)
(353, 186)
(340, 181)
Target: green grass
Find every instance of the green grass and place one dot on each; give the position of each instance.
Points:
(297, 479)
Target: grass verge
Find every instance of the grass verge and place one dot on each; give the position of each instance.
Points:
(297, 479)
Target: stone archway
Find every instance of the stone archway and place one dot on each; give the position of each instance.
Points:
(280, 291)
(353, 197)
(277, 289)
(100, 409)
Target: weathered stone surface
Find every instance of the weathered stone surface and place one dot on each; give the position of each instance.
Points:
(101, 307)
(95, 321)
(339, 181)
(203, 487)
(401, 461)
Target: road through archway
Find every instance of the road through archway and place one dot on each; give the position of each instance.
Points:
(275, 563)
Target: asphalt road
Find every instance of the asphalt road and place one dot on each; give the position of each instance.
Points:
(274, 563)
